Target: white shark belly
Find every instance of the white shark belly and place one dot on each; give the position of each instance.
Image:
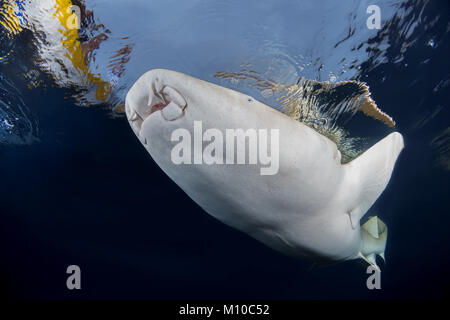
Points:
(311, 206)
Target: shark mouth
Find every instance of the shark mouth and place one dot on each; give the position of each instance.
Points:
(163, 99)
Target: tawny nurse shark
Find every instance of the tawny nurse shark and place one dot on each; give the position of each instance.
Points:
(312, 207)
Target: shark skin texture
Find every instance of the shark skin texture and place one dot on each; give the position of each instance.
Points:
(310, 208)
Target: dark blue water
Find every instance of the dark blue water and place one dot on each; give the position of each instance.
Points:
(87, 193)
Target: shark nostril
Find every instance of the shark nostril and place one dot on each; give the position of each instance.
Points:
(155, 103)
(167, 100)
(172, 112)
(172, 95)
(158, 106)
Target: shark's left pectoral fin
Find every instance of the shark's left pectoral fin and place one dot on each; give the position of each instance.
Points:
(368, 175)
(365, 179)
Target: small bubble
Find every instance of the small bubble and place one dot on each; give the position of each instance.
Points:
(431, 43)
(333, 78)
(267, 93)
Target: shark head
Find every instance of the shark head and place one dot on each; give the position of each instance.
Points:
(168, 99)
(258, 170)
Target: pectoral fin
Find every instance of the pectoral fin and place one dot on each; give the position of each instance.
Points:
(368, 175)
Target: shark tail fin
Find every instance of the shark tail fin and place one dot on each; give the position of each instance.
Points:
(368, 175)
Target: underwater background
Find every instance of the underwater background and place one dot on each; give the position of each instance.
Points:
(77, 187)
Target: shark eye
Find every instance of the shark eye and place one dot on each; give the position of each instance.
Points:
(250, 100)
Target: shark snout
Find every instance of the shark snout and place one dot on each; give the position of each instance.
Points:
(157, 98)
